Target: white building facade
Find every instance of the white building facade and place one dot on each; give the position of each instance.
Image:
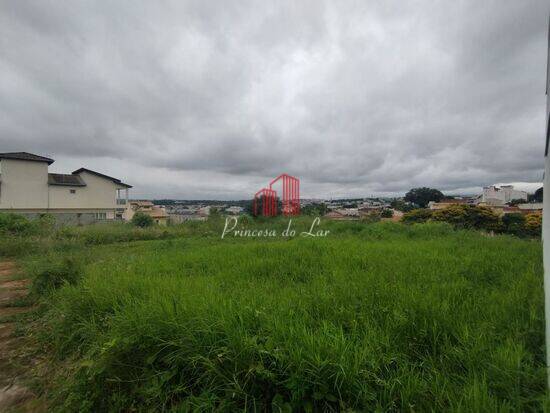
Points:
(494, 195)
(84, 196)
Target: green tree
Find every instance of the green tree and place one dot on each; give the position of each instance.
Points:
(537, 196)
(386, 213)
(422, 196)
(142, 220)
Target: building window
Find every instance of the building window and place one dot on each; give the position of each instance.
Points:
(100, 215)
(73, 191)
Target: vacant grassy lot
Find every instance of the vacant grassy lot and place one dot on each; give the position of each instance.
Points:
(373, 317)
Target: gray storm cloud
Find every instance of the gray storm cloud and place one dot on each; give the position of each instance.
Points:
(198, 99)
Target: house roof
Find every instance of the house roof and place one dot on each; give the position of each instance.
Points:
(25, 156)
(65, 180)
(115, 180)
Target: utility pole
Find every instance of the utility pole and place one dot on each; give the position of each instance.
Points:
(546, 215)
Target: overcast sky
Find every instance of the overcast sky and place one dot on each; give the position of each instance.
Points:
(211, 99)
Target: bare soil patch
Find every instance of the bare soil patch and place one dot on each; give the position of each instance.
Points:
(14, 394)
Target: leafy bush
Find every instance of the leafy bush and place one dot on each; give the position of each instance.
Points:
(469, 216)
(386, 213)
(46, 221)
(15, 224)
(142, 220)
(533, 225)
(417, 216)
(514, 223)
(478, 217)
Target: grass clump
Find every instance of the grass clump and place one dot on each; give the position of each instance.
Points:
(16, 224)
(54, 274)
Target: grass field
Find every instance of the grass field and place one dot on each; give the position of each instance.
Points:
(382, 317)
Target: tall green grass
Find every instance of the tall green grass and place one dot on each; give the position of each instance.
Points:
(73, 237)
(380, 317)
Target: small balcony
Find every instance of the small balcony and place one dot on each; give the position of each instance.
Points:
(121, 201)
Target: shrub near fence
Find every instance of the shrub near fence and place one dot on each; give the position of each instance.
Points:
(15, 224)
(533, 225)
(481, 218)
(417, 216)
(468, 216)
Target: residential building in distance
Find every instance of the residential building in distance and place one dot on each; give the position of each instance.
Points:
(368, 206)
(81, 197)
(234, 210)
(494, 195)
(157, 212)
(343, 214)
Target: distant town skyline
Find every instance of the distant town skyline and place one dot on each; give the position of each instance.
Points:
(190, 100)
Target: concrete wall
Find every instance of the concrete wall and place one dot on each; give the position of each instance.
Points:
(67, 218)
(72, 217)
(24, 184)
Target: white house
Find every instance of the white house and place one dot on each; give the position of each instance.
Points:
(494, 195)
(84, 196)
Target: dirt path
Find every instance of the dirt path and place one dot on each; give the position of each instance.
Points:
(14, 395)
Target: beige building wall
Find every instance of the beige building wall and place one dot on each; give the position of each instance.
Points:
(24, 187)
(98, 193)
(24, 184)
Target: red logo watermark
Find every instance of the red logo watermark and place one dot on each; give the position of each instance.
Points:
(269, 200)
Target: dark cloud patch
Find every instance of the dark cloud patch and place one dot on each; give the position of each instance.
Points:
(190, 99)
